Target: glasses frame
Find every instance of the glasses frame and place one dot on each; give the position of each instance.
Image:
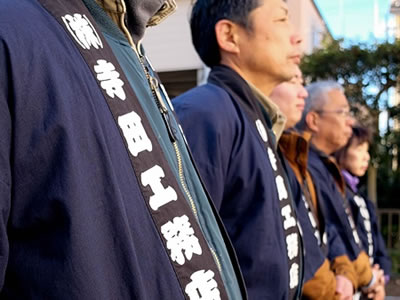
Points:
(342, 112)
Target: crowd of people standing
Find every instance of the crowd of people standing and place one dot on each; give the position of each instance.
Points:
(242, 188)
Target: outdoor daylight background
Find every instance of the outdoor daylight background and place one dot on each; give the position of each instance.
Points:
(359, 20)
(364, 56)
(357, 43)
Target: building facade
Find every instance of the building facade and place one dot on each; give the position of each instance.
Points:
(169, 45)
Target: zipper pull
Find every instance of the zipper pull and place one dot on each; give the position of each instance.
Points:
(163, 109)
(155, 88)
(171, 130)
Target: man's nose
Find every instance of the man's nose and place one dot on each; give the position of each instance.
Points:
(350, 121)
(303, 93)
(296, 39)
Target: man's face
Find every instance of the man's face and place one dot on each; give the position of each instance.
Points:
(334, 121)
(290, 97)
(270, 48)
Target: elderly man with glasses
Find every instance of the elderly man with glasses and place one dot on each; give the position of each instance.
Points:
(328, 118)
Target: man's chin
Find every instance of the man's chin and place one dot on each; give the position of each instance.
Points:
(340, 145)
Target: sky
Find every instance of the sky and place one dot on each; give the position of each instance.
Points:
(357, 20)
(365, 21)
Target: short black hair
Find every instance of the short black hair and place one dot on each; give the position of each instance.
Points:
(360, 136)
(207, 13)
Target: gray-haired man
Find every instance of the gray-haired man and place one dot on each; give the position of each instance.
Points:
(328, 118)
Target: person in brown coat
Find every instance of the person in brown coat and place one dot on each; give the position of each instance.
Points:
(330, 279)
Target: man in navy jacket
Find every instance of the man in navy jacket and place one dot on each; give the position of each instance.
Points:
(99, 197)
(328, 118)
(250, 47)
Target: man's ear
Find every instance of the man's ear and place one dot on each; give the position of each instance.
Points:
(312, 121)
(227, 36)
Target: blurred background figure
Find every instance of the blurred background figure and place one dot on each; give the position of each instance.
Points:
(354, 160)
(323, 279)
(328, 118)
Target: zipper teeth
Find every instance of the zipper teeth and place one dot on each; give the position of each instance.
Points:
(216, 259)
(179, 159)
(149, 80)
(177, 152)
(182, 178)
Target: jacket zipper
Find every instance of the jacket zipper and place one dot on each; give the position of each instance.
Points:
(153, 82)
(164, 113)
(182, 179)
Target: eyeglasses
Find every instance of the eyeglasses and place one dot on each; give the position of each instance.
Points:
(343, 112)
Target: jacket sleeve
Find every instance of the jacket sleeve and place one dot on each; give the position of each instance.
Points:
(5, 157)
(363, 269)
(335, 244)
(342, 265)
(340, 262)
(322, 285)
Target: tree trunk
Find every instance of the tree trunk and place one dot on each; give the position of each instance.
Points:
(372, 186)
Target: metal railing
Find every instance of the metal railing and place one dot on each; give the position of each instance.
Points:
(389, 222)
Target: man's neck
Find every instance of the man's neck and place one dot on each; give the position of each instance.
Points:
(263, 82)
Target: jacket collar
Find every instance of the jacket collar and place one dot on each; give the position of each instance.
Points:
(240, 90)
(165, 11)
(278, 119)
(295, 147)
(333, 168)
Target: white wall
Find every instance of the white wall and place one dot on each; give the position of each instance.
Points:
(169, 44)
(309, 23)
